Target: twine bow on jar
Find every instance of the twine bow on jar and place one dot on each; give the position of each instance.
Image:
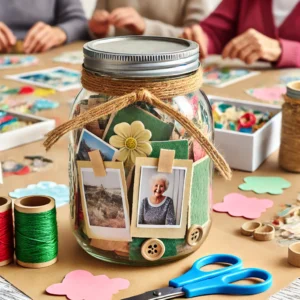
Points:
(129, 92)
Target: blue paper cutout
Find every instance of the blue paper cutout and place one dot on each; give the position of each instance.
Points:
(59, 192)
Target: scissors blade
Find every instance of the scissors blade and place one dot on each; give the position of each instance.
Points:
(159, 294)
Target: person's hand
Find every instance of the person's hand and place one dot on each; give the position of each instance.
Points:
(251, 46)
(128, 17)
(196, 34)
(41, 37)
(99, 23)
(7, 38)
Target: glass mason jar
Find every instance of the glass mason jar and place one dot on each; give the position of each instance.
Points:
(170, 212)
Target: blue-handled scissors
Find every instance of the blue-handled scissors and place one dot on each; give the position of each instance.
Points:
(197, 283)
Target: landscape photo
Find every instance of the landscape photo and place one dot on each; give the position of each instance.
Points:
(104, 199)
(89, 142)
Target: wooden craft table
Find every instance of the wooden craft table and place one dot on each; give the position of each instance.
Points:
(224, 236)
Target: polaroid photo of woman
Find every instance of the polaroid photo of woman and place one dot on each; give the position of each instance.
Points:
(160, 200)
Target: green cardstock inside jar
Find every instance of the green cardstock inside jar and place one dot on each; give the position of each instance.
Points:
(146, 199)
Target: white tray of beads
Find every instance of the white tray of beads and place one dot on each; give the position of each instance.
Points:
(35, 130)
(247, 151)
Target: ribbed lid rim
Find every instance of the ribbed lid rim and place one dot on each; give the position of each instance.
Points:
(183, 58)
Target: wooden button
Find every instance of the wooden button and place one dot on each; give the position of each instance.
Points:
(153, 249)
(194, 235)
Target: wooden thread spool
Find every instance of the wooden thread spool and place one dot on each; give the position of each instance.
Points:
(5, 206)
(289, 155)
(249, 227)
(294, 254)
(34, 205)
(264, 233)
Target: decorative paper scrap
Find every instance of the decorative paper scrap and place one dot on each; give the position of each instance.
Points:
(221, 77)
(161, 131)
(291, 292)
(264, 184)
(60, 79)
(10, 292)
(26, 99)
(199, 212)
(59, 192)
(11, 167)
(11, 61)
(287, 224)
(71, 57)
(38, 163)
(198, 151)
(238, 205)
(180, 147)
(271, 94)
(82, 284)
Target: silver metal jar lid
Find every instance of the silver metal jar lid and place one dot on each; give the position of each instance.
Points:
(141, 56)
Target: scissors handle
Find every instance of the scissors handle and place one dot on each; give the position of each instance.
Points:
(222, 284)
(195, 274)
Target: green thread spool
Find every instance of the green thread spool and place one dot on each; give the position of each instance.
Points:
(36, 231)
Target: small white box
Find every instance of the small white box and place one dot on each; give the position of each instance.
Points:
(28, 134)
(247, 151)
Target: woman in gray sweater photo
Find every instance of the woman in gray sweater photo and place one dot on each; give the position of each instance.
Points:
(157, 209)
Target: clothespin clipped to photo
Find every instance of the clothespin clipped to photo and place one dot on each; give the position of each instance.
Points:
(165, 161)
(97, 163)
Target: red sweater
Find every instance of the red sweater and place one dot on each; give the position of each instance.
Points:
(233, 17)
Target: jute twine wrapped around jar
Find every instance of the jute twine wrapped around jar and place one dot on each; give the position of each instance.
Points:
(289, 155)
(128, 92)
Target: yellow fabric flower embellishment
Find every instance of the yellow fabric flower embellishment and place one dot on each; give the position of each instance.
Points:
(132, 140)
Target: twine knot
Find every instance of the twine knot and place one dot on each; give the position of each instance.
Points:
(144, 95)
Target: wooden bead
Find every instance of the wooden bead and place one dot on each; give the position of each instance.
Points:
(249, 227)
(294, 254)
(264, 233)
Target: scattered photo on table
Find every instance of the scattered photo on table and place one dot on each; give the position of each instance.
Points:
(71, 57)
(89, 142)
(160, 200)
(60, 79)
(221, 77)
(10, 292)
(13, 61)
(104, 202)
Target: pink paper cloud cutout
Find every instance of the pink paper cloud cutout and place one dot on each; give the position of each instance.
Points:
(238, 205)
(82, 285)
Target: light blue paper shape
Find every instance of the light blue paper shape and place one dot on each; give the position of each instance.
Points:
(59, 192)
(264, 184)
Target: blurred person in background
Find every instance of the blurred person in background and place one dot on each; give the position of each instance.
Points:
(41, 24)
(251, 30)
(147, 17)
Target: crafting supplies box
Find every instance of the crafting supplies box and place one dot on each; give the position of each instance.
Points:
(33, 132)
(244, 151)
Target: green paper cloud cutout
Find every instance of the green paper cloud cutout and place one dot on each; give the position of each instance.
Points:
(264, 184)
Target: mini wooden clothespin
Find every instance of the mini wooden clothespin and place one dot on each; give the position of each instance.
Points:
(97, 163)
(165, 161)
